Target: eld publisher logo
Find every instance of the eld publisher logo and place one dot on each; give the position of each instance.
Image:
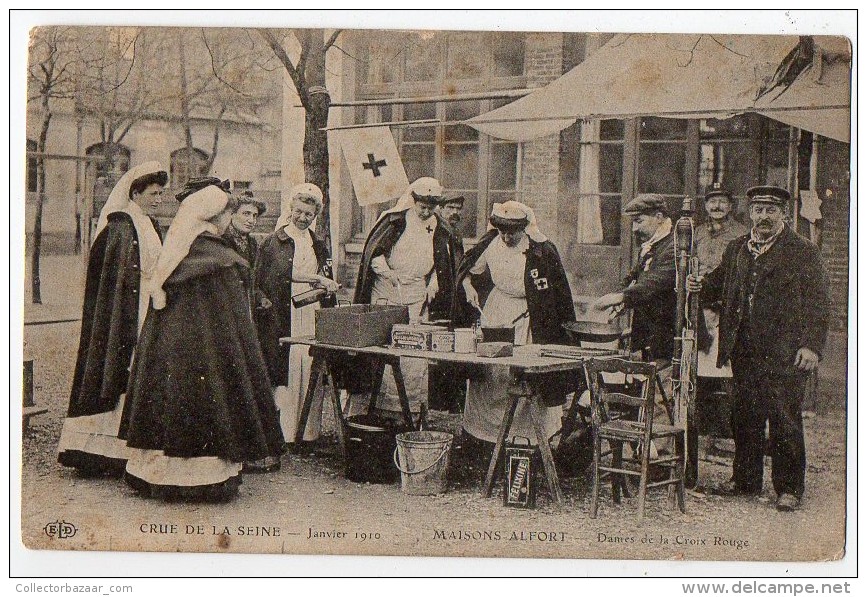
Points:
(60, 529)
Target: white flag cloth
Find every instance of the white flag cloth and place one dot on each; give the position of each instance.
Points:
(374, 164)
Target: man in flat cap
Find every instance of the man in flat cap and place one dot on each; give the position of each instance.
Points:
(709, 242)
(649, 289)
(774, 320)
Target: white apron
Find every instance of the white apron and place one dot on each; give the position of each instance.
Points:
(291, 399)
(487, 396)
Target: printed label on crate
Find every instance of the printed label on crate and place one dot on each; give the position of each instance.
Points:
(409, 340)
(413, 336)
(442, 341)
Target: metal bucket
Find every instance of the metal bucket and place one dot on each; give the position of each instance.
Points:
(370, 442)
(422, 457)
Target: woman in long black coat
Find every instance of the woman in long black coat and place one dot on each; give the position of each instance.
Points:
(121, 261)
(200, 407)
(290, 261)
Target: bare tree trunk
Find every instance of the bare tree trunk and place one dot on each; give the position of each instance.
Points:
(309, 80)
(317, 102)
(217, 124)
(35, 282)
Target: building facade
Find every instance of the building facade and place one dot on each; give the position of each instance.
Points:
(577, 180)
(134, 114)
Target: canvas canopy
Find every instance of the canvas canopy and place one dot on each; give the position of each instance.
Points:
(688, 76)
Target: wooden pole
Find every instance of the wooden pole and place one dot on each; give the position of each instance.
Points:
(451, 97)
(367, 125)
(815, 230)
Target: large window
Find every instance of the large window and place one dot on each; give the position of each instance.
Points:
(425, 64)
(672, 157)
(186, 165)
(416, 58)
(729, 155)
(599, 181)
(662, 149)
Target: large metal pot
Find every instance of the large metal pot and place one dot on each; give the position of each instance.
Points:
(593, 331)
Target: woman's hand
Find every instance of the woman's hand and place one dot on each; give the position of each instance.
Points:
(328, 284)
(472, 295)
(264, 303)
(391, 276)
(433, 288)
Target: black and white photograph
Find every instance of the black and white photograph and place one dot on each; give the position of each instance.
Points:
(578, 293)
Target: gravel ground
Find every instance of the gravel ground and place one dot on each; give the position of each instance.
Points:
(308, 507)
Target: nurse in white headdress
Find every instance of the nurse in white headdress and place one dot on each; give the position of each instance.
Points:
(292, 261)
(513, 278)
(121, 262)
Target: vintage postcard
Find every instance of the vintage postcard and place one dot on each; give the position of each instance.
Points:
(437, 292)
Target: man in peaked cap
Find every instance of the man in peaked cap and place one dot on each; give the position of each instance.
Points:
(774, 294)
(709, 242)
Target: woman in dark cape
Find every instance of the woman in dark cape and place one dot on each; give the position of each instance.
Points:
(200, 406)
(121, 260)
(513, 278)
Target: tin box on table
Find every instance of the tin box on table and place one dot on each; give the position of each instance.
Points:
(413, 336)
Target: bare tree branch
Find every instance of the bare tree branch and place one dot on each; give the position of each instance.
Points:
(728, 48)
(131, 65)
(348, 55)
(273, 41)
(691, 52)
(214, 68)
(332, 39)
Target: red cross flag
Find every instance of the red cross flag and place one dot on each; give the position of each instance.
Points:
(374, 164)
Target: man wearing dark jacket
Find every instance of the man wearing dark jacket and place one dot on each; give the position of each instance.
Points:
(773, 324)
(649, 288)
(650, 292)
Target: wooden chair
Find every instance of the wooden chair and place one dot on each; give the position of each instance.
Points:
(621, 419)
